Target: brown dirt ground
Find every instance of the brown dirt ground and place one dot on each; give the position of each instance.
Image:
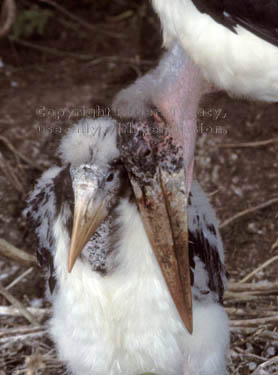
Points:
(42, 90)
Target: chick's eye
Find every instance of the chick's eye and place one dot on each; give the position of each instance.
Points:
(110, 177)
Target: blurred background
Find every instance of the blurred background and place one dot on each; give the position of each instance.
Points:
(64, 60)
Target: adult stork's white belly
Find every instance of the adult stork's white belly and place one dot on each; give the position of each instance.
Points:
(239, 61)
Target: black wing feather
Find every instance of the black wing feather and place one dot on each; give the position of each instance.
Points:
(201, 247)
(258, 16)
(205, 247)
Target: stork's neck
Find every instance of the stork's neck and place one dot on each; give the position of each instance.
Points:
(177, 95)
(179, 88)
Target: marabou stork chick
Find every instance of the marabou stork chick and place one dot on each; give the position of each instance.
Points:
(113, 314)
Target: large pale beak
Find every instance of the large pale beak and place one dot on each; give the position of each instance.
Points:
(88, 215)
(162, 200)
(163, 208)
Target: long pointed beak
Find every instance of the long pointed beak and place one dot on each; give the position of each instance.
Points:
(162, 200)
(88, 215)
(163, 208)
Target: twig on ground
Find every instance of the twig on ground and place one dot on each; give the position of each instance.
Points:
(23, 330)
(8, 120)
(263, 287)
(243, 353)
(95, 60)
(83, 23)
(19, 154)
(275, 245)
(13, 311)
(19, 278)
(255, 332)
(24, 336)
(10, 174)
(51, 51)
(34, 363)
(19, 305)
(135, 61)
(260, 268)
(247, 212)
(249, 144)
(232, 297)
(245, 312)
(254, 322)
(17, 255)
(261, 370)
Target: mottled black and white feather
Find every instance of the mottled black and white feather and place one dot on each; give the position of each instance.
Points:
(206, 252)
(44, 204)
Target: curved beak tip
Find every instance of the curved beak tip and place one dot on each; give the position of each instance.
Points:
(70, 266)
(163, 210)
(83, 230)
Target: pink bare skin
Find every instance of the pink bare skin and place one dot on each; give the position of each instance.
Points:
(174, 88)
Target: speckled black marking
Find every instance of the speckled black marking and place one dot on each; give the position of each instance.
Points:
(125, 191)
(201, 247)
(101, 258)
(63, 190)
(51, 279)
(211, 228)
(44, 255)
(191, 252)
(115, 236)
(146, 145)
(106, 131)
(190, 199)
(204, 292)
(69, 224)
(115, 230)
(39, 199)
(33, 223)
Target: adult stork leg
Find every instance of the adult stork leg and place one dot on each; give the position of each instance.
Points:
(174, 89)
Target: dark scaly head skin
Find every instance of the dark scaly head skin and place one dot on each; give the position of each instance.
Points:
(146, 144)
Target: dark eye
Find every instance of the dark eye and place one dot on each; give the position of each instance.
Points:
(110, 177)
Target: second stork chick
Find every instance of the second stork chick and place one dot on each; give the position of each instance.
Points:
(113, 313)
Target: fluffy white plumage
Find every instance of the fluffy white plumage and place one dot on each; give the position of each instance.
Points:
(77, 145)
(125, 322)
(241, 62)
